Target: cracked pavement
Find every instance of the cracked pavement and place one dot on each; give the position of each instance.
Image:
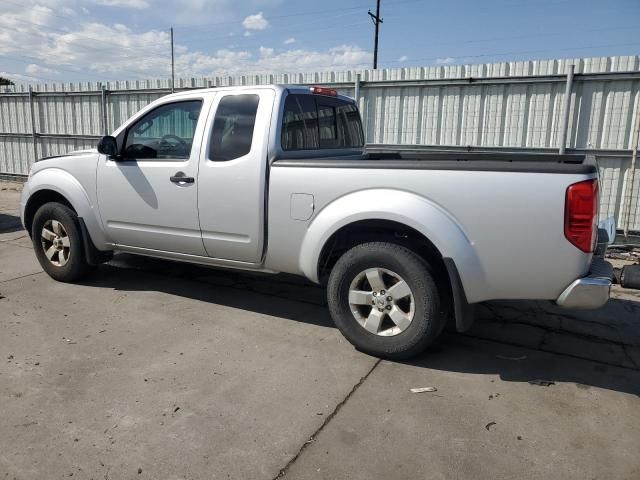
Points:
(152, 369)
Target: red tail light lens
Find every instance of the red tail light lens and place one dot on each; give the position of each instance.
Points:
(581, 214)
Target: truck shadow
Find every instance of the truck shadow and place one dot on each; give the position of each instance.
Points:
(485, 350)
(9, 223)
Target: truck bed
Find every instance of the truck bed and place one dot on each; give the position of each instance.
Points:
(507, 208)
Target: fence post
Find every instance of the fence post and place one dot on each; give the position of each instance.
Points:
(565, 111)
(105, 126)
(33, 122)
(631, 174)
(356, 92)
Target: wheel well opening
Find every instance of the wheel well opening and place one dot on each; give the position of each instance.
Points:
(38, 199)
(384, 231)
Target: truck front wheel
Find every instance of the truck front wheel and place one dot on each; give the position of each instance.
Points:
(384, 300)
(57, 242)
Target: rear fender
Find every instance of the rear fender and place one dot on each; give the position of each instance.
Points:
(412, 210)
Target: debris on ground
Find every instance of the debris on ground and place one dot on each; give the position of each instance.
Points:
(424, 389)
(542, 383)
(489, 425)
(507, 357)
(622, 252)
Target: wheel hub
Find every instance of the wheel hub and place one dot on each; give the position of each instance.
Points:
(381, 301)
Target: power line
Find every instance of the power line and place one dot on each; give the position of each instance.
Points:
(81, 35)
(86, 47)
(515, 37)
(311, 13)
(292, 32)
(522, 52)
(34, 60)
(37, 61)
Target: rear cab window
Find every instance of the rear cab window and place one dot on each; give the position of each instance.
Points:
(233, 125)
(316, 122)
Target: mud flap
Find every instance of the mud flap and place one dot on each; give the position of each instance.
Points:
(463, 311)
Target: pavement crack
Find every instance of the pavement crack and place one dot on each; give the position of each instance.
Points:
(546, 350)
(22, 276)
(283, 471)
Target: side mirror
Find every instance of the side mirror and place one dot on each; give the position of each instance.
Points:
(108, 146)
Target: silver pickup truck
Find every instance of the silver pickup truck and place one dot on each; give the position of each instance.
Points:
(276, 179)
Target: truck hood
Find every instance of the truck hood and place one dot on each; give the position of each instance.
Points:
(74, 153)
(76, 163)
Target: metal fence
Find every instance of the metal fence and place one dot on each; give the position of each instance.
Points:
(511, 105)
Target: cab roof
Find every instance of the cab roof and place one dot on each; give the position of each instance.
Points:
(280, 88)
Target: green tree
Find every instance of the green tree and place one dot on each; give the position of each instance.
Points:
(5, 81)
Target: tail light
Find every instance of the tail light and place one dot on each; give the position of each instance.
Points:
(581, 214)
(331, 92)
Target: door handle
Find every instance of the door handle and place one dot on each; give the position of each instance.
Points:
(180, 177)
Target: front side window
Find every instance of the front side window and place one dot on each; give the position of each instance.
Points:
(233, 125)
(165, 133)
(313, 122)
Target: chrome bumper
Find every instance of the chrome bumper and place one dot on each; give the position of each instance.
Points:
(591, 291)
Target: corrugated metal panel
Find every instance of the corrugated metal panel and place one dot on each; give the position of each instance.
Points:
(59, 146)
(509, 114)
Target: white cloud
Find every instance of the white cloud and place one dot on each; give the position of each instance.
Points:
(445, 61)
(289, 41)
(136, 4)
(36, 70)
(80, 51)
(247, 33)
(228, 62)
(403, 58)
(18, 77)
(255, 22)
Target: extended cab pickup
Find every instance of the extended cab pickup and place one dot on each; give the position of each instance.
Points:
(276, 179)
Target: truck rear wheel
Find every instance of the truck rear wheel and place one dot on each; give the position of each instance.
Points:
(57, 242)
(384, 300)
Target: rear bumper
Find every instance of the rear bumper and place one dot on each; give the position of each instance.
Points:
(591, 291)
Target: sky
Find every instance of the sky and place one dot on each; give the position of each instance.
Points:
(100, 40)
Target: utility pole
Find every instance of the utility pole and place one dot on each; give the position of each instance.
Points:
(173, 65)
(376, 21)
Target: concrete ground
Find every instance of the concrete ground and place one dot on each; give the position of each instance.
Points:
(151, 369)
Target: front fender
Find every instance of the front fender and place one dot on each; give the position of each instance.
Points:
(65, 184)
(412, 210)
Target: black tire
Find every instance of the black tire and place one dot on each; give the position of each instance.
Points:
(630, 276)
(427, 320)
(76, 265)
